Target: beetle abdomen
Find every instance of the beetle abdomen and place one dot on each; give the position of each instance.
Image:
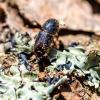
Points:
(42, 43)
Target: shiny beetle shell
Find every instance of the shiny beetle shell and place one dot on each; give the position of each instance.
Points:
(51, 26)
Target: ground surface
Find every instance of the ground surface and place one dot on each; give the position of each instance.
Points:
(82, 24)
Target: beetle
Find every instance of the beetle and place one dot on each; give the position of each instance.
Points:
(44, 40)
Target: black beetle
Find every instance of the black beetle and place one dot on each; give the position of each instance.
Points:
(43, 41)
